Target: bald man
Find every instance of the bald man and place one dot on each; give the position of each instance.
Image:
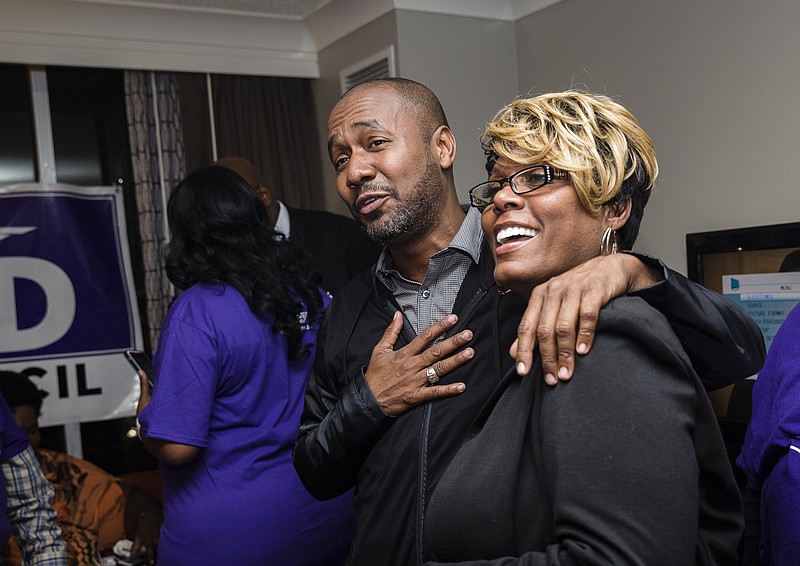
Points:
(336, 246)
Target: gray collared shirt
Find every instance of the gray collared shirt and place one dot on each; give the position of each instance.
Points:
(425, 303)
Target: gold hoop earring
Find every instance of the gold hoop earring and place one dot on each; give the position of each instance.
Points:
(608, 245)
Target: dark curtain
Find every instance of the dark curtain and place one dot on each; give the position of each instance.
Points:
(193, 96)
(271, 122)
(157, 156)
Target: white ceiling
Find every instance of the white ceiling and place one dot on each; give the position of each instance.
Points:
(275, 8)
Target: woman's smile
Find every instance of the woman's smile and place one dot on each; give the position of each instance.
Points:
(510, 238)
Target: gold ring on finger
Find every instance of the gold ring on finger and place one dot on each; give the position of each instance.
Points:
(430, 373)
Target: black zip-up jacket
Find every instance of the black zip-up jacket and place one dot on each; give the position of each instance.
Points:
(624, 464)
(346, 440)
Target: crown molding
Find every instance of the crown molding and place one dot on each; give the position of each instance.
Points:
(148, 36)
(522, 8)
(54, 32)
(340, 18)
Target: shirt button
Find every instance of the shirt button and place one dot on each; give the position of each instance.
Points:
(426, 294)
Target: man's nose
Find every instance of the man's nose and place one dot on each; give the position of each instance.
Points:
(360, 169)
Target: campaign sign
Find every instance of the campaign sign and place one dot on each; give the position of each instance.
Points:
(67, 302)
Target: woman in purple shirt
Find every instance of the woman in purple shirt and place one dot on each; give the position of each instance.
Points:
(770, 455)
(231, 368)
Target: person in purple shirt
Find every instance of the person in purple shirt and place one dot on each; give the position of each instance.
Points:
(770, 455)
(231, 368)
(27, 498)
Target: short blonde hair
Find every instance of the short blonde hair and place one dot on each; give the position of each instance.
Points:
(595, 140)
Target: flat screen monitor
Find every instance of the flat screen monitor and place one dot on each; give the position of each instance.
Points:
(757, 267)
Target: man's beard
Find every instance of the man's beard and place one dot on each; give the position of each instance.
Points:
(415, 214)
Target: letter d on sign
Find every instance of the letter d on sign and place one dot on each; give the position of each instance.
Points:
(59, 295)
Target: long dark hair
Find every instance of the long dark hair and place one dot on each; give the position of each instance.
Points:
(221, 234)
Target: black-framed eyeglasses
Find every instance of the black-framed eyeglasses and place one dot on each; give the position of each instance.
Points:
(521, 182)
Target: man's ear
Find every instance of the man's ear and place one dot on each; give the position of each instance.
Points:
(617, 213)
(443, 146)
(264, 195)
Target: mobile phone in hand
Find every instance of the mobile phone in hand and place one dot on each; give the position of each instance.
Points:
(139, 361)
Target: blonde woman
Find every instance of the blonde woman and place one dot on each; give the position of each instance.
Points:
(624, 464)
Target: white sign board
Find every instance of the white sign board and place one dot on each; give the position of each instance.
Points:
(67, 300)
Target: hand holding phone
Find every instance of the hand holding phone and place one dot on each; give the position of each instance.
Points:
(139, 361)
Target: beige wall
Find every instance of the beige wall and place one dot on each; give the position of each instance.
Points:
(470, 64)
(716, 83)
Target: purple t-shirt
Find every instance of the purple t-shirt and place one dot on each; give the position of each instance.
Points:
(223, 382)
(770, 455)
(12, 442)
